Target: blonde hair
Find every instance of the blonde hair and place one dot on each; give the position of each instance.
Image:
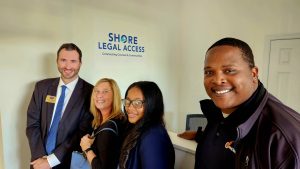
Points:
(116, 111)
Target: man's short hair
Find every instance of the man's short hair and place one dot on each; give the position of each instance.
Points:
(70, 47)
(243, 46)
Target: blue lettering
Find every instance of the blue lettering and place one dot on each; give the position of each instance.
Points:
(113, 37)
(110, 37)
(125, 48)
(99, 45)
(116, 46)
(116, 37)
(135, 40)
(109, 46)
(104, 46)
(134, 48)
(130, 39)
(124, 38)
(129, 48)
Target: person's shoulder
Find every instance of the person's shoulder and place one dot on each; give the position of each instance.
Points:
(108, 124)
(156, 136)
(84, 87)
(47, 82)
(85, 83)
(121, 121)
(208, 108)
(281, 118)
(279, 112)
(157, 130)
(114, 123)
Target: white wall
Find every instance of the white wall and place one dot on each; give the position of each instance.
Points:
(31, 32)
(176, 35)
(204, 22)
(1, 145)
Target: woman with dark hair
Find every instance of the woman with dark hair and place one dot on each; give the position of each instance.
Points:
(147, 145)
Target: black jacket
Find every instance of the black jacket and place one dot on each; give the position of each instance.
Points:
(270, 138)
(265, 132)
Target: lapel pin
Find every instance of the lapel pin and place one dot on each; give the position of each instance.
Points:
(228, 146)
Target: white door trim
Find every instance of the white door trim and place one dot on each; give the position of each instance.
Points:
(266, 59)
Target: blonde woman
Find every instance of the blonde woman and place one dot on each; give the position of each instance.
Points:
(103, 149)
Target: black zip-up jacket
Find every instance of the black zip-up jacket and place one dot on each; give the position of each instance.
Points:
(270, 138)
(266, 135)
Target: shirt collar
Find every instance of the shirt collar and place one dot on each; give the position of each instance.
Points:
(70, 85)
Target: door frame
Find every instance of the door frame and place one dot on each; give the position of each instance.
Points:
(267, 51)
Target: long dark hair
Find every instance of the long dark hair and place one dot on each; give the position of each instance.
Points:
(153, 114)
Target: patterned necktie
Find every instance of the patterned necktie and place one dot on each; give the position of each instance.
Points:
(51, 140)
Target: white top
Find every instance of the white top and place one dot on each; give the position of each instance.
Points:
(69, 90)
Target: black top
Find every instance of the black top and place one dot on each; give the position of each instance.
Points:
(107, 145)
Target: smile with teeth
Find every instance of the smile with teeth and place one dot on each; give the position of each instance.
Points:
(68, 71)
(100, 101)
(222, 91)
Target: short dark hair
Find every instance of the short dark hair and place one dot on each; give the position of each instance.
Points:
(70, 47)
(243, 46)
(153, 105)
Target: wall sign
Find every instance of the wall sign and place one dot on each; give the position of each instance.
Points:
(121, 45)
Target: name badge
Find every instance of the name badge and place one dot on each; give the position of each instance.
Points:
(50, 99)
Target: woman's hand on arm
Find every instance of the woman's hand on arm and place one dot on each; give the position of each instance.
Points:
(85, 144)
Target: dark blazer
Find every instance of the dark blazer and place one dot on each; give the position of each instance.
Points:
(74, 123)
(153, 150)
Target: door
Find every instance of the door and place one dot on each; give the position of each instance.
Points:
(284, 71)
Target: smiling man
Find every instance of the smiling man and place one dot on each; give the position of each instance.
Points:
(58, 113)
(247, 126)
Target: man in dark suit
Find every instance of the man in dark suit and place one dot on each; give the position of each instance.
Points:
(74, 117)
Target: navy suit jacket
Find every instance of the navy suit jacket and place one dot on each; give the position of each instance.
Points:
(75, 122)
(153, 150)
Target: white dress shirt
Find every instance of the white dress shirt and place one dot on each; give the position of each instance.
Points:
(52, 159)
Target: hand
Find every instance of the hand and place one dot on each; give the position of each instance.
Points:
(86, 142)
(189, 135)
(40, 163)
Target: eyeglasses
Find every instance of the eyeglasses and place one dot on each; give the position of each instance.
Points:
(104, 92)
(135, 103)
